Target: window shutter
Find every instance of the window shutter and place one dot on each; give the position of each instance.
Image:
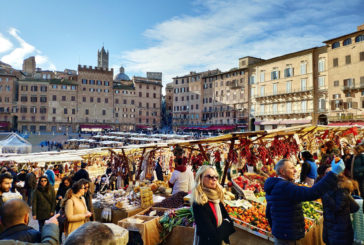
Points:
(345, 105)
(332, 104)
(355, 105)
(333, 96)
(292, 72)
(353, 84)
(278, 74)
(339, 96)
(345, 83)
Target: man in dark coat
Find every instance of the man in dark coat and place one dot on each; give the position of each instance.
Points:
(5, 184)
(16, 218)
(30, 184)
(284, 208)
(82, 173)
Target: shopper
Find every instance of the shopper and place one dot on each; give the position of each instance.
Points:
(15, 218)
(50, 174)
(91, 233)
(338, 204)
(82, 173)
(44, 201)
(182, 178)
(309, 169)
(75, 207)
(357, 167)
(284, 208)
(88, 198)
(5, 185)
(49, 234)
(61, 192)
(213, 224)
(30, 184)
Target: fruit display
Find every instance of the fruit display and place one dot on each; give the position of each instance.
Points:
(310, 210)
(176, 217)
(174, 201)
(253, 218)
(249, 183)
(308, 224)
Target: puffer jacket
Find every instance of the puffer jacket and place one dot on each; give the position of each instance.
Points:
(284, 209)
(44, 203)
(338, 204)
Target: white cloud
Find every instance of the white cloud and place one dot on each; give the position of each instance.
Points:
(5, 44)
(24, 50)
(223, 31)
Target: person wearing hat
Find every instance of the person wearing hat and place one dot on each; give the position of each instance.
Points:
(82, 173)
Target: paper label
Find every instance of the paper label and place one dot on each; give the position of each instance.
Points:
(249, 195)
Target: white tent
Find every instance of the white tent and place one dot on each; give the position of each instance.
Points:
(13, 143)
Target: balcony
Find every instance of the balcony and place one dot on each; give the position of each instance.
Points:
(322, 110)
(354, 88)
(284, 113)
(292, 92)
(346, 118)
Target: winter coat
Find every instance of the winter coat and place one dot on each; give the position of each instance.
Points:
(62, 191)
(81, 174)
(44, 203)
(75, 210)
(284, 208)
(50, 236)
(337, 205)
(30, 181)
(357, 170)
(21, 232)
(207, 230)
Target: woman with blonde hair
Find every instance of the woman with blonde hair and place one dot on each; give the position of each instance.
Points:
(213, 224)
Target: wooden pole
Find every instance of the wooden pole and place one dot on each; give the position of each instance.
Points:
(126, 161)
(227, 165)
(203, 152)
(140, 165)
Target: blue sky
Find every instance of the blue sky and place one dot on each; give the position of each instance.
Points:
(173, 37)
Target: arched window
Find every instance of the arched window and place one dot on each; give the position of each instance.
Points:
(347, 41)
(335, 45)
(359, 38)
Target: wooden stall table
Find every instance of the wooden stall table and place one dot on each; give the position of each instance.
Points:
(117, 214)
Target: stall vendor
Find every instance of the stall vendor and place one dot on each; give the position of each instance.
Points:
(182, 178)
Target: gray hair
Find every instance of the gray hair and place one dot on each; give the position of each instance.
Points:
(279, 165)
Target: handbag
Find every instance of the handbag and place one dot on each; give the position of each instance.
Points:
(62, 220)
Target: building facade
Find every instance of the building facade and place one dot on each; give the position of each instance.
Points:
(346, 77)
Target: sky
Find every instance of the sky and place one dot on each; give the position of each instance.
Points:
(172, 37)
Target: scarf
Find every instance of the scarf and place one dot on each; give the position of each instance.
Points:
(181, 168)
(214, 197)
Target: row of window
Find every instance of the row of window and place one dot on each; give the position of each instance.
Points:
(147, 95)
(197, 96)
(185, 108)
(6, 99)
(288, 107)
(147, 121)
(6, 88)
(6, 79)
(186, 116)
(95, 82)
(349, 82)
(154, 87)
(33, 98)
(335, 61)
(124, 92)
(125, 115)
(125, 102)
(348, 41)
(98, 90)
(147, 105)
(154, 113)
(187, 80)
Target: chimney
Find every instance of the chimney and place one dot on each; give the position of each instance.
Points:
(361, 27)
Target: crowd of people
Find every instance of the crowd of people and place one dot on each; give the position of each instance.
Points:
(336, 176)
(65, 211)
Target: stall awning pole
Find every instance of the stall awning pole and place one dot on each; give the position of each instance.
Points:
(203, 152)
(227, 165)
(140, 165)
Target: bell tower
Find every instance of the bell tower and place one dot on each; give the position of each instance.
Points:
(103, 58)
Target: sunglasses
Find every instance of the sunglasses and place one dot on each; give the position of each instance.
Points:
(211, 177)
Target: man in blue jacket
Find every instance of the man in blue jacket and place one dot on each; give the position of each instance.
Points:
(284, 198)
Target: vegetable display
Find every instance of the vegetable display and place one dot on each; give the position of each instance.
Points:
(176, 217)
(174, 201)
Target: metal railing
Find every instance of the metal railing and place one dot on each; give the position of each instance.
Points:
(279, 93)
(350, 87)
(346, 117)
(272, 113)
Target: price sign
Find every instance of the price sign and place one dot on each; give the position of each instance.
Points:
(249, 195)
